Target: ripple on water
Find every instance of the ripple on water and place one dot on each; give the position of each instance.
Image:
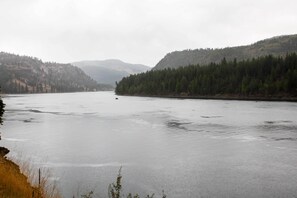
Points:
(211, 116)
(278, 125)
(285, 139)
(176, 124)
(15, 139)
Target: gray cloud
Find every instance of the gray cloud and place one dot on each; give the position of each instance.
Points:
(137, 31)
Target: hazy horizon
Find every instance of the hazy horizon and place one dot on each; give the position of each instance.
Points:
(138, 32)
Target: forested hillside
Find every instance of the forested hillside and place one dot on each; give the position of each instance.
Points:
(263, 77)
(23, 74)
(276, 46)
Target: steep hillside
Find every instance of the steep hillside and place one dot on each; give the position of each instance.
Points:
(110, 71)
(277, 46)
(23, 74)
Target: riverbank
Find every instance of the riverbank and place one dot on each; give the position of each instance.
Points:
(13, 183)
(223, 97)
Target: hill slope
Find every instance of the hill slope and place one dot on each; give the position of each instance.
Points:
(23, 74)
(263, 78)
(277, 46)
(110, 71)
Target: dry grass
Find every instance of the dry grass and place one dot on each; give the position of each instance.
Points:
(14, 183)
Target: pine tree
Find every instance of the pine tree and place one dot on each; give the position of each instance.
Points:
(265, 77)
(2, 105)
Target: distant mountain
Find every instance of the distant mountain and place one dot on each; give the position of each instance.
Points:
(24, 74)
(277, 46)
(110, 71)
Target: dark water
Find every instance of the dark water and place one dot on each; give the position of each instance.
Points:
(189, 148)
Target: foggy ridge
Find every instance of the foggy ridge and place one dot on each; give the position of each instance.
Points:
(111, 70)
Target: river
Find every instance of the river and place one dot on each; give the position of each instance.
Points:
(188, 148)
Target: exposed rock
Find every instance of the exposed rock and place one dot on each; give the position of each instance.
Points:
(3, 151)
(23, 74)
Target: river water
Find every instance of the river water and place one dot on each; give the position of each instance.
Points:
(188, 148)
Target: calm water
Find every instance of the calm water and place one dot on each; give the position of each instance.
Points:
(189, 148)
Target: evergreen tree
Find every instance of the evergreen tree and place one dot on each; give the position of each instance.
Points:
(262, 77)
(1, 108)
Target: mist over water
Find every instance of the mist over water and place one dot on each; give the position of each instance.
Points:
(188, 148)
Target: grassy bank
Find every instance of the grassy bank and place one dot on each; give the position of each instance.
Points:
(20, 180)
(13, 183)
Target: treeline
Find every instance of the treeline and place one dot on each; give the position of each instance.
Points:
(262, 77)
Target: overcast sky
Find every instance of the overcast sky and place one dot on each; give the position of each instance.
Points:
(137, 31)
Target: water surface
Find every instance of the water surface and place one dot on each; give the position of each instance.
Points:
(189, 148)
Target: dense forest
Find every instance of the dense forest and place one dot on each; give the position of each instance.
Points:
(269, 77)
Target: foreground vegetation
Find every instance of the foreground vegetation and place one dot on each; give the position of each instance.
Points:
(115, 191)
(15, 184)
(264, 77)
(12, 182)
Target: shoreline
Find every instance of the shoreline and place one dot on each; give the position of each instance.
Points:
(222, 97)
(2, 94)
(201, 97)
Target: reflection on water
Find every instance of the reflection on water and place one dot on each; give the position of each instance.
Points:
(189, 148)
